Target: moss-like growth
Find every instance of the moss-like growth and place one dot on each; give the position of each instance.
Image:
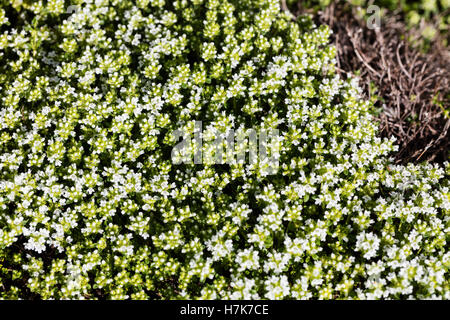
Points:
(92, 206)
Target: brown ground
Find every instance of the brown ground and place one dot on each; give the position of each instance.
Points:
(407, 80)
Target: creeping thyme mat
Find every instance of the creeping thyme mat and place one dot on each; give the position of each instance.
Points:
(92, 205)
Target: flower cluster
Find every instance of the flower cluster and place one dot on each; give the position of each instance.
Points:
(91, 205)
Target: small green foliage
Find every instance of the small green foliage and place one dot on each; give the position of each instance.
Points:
(91, 205)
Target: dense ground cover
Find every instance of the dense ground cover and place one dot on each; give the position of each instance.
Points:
(92, 206)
